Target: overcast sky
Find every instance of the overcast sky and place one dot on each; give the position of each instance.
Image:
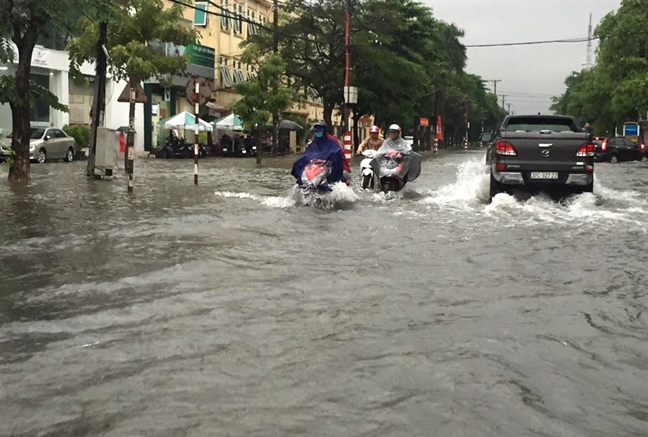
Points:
(530, 74)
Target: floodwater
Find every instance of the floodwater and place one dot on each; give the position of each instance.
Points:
(230, 309)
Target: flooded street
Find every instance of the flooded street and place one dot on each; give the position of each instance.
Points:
(228, 309)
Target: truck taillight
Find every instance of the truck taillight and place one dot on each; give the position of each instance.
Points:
(585, 150)
(504, 148)
(604, 145)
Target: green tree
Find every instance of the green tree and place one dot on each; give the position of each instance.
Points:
(615, 90)
(23, 22)
(137, 32)
(264, 94)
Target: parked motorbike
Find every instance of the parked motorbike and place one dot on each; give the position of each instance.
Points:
(175, 148)
(227, 150)
(180, 149)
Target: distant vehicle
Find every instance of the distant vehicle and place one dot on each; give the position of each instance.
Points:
(485, 139)
(619, 149)
(45, 144)
(541, 153)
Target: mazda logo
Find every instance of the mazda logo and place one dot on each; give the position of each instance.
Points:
(545, 153)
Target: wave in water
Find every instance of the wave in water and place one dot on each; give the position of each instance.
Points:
(470, 192)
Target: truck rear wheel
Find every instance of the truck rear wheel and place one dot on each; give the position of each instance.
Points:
(495, 188)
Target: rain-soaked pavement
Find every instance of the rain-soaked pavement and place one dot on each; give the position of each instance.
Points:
(228, 310)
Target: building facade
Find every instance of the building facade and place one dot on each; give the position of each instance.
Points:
(51, 69)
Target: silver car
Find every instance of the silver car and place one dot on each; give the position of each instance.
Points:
(45, 144)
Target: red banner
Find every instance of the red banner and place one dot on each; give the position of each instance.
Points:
(439, 129)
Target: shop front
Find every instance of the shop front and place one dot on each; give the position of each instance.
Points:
(167, 100)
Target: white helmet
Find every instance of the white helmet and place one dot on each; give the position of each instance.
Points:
(394, 128)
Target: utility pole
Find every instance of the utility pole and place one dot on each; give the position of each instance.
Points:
(495, 81)
(503, 99)
(466, 103)
(99, 104)
(347, 64)
(588, 58)
(495, 85)
(129, 156)
(509, 107)
(275, 49)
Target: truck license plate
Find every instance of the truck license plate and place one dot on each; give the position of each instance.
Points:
(544, 175)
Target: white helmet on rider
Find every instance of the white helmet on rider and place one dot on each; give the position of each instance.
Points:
(394, 131)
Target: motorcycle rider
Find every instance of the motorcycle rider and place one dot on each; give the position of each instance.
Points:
(322, 146)
(372, 142)
(394, 141)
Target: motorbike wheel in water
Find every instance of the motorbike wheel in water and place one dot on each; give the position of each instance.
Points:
(367, 182)
(389, 185)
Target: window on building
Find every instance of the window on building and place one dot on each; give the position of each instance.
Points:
(225, 20)
(200, 14)
(226, 79)
(251, 27)
(238, 20)
(39, 111)
(223, 61)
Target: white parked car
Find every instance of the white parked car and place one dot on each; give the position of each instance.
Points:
(46, 144)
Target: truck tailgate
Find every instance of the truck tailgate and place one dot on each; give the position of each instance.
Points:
(545, 151)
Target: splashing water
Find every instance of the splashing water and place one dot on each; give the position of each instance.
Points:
(269, 201)
(341, 196)
(470, 193)
(471, 187)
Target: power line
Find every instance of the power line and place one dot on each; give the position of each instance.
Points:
(527, 94)
(226, 13)
(528, 43)
(235, 16)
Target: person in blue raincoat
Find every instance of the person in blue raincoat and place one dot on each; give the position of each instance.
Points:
(321, 147)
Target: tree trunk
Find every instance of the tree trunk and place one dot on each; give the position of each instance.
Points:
(130, 137)
(257, 141)
(20, 168)
(99, 105)
(356, 133)
(415, 135)
(328, 113)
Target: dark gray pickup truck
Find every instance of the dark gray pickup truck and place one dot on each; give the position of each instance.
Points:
(541, 153)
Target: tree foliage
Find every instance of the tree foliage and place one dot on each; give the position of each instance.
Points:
(405, 62)
(615, 90)
(137, 33)
(265, 93)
